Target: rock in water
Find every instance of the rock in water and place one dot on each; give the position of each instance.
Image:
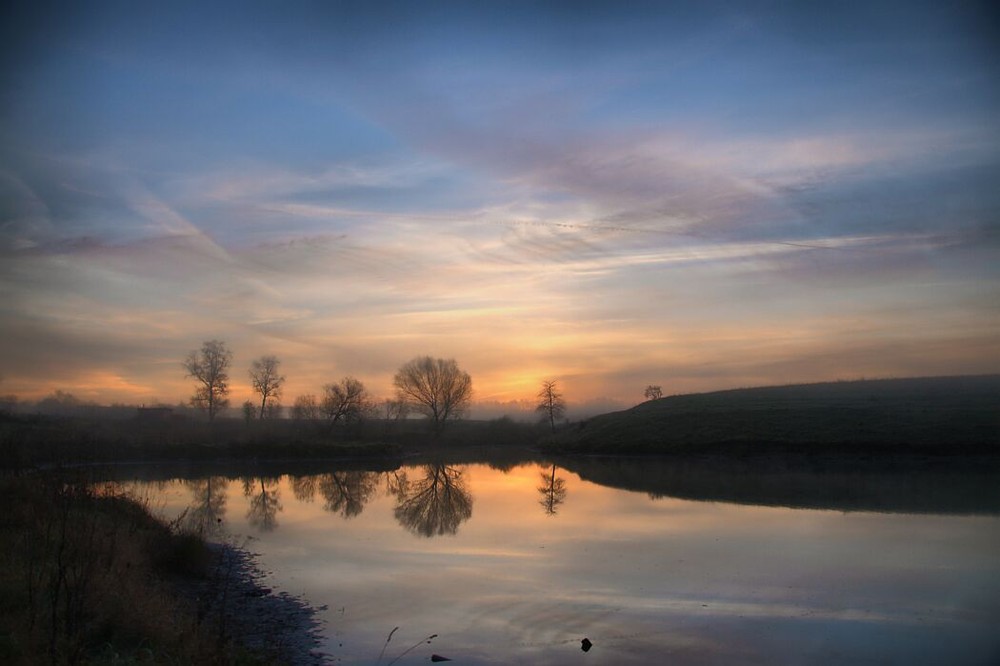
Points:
(437, 657)
(585, 645)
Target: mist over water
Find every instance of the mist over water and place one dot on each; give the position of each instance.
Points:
(520, 564)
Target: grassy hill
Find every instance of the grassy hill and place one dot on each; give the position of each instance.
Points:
(937, 415)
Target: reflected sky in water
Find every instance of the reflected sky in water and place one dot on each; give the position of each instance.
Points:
(522, 565)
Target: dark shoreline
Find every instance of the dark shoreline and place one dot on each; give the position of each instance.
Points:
(269, 623)
(955, 485)
(92, 574)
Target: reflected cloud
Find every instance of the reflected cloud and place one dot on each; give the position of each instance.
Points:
(651, 577)
(436, 504)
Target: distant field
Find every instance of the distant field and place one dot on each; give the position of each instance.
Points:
(933, 416)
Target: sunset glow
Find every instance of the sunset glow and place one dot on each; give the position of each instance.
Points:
(606, 195)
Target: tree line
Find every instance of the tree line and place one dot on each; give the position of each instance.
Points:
(435, 387)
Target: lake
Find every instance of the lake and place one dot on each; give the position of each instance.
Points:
(520, 563)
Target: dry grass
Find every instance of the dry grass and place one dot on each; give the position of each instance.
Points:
(90, 577)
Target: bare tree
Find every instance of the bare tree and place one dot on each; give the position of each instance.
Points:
(60, 403)
(435, 387)
(305, 408)
(249, 411)
(392, 412)
(551, 402)
(653, 392)
(210, 366)
(273, 411)
(347, 401)
(266, 380)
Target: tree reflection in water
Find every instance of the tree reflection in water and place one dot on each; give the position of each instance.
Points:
(347, 493)
(435, 504)
(552, 490)
(304, 487)
(397, 484)
(265, 502)
(208, 505)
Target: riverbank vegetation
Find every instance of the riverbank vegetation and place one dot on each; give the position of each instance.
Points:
(951, 416)
(33, 441)
(91, 576)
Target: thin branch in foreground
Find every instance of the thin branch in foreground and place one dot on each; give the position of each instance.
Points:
(385, 645)
(415, 645)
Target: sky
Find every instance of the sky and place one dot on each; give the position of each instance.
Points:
(699, 196)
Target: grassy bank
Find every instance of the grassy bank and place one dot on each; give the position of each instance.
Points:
(92, 577)
(31, 441)
(952, 416)
(934, 416)
(38, 441)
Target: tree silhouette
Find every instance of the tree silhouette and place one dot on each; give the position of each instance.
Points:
(435, 387)
(436, 504)
(210, 366)
(653, 392)
(346, 401)
(552, 490)
(265, 502)
(305, 408)
(60, 403)
(248, 411)
(393, 411)
(551, 403)
(273, 410)
(266, 380)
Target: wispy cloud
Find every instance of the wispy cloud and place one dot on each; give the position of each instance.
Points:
(613, 197)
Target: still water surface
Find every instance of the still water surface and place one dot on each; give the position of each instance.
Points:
(519, 565)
